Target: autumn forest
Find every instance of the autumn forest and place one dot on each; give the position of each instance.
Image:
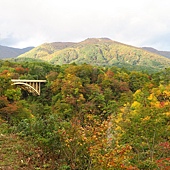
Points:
(87, 117)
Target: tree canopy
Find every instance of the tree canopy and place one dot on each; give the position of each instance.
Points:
(90, 117)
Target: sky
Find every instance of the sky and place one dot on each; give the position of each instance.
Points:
(139, 23)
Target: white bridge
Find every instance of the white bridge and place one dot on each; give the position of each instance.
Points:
(32, 86)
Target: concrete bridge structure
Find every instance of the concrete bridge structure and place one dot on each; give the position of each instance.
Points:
(32, 86)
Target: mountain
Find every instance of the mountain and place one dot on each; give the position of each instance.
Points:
(98, 51)
(9, 52)
(163, 53)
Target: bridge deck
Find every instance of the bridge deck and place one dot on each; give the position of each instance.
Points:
(22, 80)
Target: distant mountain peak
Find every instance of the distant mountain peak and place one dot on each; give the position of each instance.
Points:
(11, 52)
(96, 40)
(153, 50)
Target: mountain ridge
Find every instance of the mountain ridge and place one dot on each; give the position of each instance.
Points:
(10, 52)
(162, 53)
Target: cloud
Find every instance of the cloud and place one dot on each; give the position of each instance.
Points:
(33, 22)
(9, 40)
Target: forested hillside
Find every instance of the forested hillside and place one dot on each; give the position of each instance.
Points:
(99, 52)
(86, 118)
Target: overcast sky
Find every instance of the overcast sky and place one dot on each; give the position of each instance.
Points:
(135, 22)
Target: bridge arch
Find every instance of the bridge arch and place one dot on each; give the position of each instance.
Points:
(27, 87)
